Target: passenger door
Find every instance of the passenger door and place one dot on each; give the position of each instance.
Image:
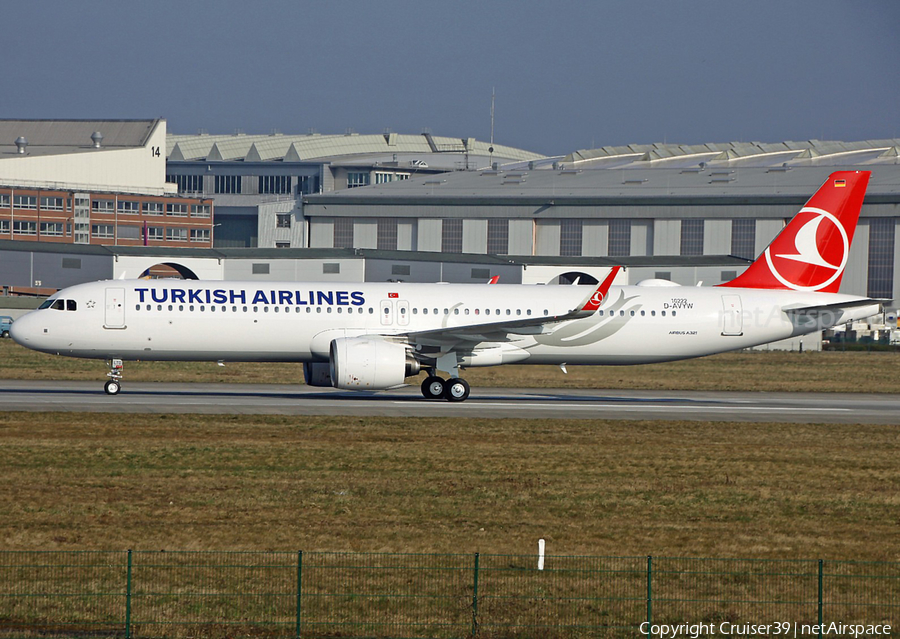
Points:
(115, 308)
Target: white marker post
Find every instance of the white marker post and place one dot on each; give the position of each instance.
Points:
(540, 554)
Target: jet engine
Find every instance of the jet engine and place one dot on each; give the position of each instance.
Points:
(317, 374)
(366, 363)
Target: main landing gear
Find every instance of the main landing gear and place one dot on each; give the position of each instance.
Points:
(114, 385)
(453, 389)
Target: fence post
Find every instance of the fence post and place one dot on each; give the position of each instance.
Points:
(475, 600)
(649, 595)
(820, 597)
(128, 598)
(299, 589)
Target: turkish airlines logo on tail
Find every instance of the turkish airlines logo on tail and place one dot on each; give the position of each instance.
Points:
(814, 257)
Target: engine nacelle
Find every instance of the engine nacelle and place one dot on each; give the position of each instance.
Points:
(367, 363)
(317, 374)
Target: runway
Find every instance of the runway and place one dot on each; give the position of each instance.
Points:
(485, 403)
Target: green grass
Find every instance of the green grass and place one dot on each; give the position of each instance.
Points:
(599, 487)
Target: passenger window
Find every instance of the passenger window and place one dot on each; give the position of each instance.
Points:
(71, 306)
(137, 307)
(456, 311)
(528, 312)
(663, 313)
(621, 313)
(632, 313)
(600, 313)
(673, 313)
(518, 311)
(159, 307)
(652, 313)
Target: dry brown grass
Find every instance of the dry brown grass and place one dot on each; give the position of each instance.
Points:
(150, 482)
(752, 370)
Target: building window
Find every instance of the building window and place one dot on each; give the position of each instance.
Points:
(356, 178)
(619, 241)
(200, 210)
(21, 227)
(331, 268)
(743, 238)
(53, 204)
(260, 269)
(4, 226)
(570, 237)
(399, 269)
(387, 233)
(283, 220)
(25, 202)
(881, 258)
(52, 228)
(383, 178)
(71, 262)
(343, 232)
(187, 183)
(282, 245)
(4, 200)
(156, 233)
(498, 237)
(129, 207)
(481, 273)
(307, 184)
(691, 237)
(451, 236)
(128, 232)
(199, 235)
(102, 231)
(152, 208)
(177, 210)
(663, 275)
(103, 206)
(228, 184)
(275, 184)
(176, 234)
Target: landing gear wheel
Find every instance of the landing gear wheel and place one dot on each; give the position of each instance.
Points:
(112, 387)
(433, 387)
(456, 390)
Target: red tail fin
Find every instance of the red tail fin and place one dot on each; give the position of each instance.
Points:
(811, 252)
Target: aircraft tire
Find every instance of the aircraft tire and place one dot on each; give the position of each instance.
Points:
(456, 390)
(433, 387)
(112, 387)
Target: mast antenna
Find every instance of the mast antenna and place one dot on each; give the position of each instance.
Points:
(491, 147)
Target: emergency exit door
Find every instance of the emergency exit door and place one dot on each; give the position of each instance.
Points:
(732, 315)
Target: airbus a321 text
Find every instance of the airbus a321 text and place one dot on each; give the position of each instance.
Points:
(373, 336)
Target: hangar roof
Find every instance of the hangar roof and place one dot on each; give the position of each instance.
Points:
(632, 186)
(56, 137)
(328, 148)
(734, 154)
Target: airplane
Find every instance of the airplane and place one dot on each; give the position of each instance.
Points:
(373, 336)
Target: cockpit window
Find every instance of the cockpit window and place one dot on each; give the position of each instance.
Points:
(46, 304)
(59, 305)
(71, 305)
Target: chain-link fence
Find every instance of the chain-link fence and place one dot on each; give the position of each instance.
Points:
(323, 594)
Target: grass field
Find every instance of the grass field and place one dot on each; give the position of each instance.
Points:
(601, 487)
(672, 488)
(872, 372)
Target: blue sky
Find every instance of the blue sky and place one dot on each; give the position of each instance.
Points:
(567, 75)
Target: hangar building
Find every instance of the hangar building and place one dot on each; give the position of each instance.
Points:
(656, 201)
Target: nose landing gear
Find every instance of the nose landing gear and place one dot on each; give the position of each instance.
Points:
(114, 384)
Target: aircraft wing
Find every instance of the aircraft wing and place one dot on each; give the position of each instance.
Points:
(501, 331)
(835, 307)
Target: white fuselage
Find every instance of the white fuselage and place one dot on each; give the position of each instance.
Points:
(296, 322)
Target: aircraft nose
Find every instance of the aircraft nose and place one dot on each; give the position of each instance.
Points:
(23, 329)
